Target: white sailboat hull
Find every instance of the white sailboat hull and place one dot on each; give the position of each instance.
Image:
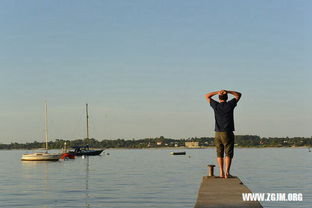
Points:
(41, 157)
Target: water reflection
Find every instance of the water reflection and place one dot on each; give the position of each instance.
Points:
(41, 177)
(41, 183)
(87, 181)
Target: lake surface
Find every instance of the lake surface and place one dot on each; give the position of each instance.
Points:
(148, 178)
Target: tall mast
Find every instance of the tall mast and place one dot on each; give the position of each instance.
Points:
(87, 115)
(46, 125)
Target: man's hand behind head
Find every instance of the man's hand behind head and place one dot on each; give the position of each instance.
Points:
(222, 92)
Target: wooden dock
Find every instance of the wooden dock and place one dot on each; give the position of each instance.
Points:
(219, 192)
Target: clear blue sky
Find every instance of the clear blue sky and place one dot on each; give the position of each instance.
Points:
(144, 67)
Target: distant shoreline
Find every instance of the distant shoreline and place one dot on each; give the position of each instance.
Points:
(241, 141)
(177, 148)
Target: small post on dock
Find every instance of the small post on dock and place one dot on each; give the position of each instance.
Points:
(210, 170)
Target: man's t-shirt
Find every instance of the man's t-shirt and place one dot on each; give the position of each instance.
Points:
(224, 115)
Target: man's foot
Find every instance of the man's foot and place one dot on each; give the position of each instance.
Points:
(228, 175)
(222, 174)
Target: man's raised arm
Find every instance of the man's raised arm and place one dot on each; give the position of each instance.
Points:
(209, 95)
(237, 95)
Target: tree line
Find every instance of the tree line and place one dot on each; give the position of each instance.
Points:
(240, 140)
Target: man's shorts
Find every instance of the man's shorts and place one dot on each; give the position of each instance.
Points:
(224, 142)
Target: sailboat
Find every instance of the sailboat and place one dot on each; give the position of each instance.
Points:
(85, 150)
(43, 156)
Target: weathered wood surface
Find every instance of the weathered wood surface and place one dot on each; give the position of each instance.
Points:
(216, 192)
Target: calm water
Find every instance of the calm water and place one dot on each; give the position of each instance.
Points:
(147, 178)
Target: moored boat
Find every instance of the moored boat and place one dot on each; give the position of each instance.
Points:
(177, 153)
(85, 150)
(43, 156)
(66, 154)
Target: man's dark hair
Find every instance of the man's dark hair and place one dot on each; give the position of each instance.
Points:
(223, 97)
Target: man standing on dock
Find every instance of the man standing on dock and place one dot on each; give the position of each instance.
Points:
(224, 127)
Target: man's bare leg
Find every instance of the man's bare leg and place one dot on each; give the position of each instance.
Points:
(220, 163)
(228, 162)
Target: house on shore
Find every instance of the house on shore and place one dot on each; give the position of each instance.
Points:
(192, 144)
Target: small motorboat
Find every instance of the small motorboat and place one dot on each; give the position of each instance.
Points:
(177, 153)
(67, 155)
